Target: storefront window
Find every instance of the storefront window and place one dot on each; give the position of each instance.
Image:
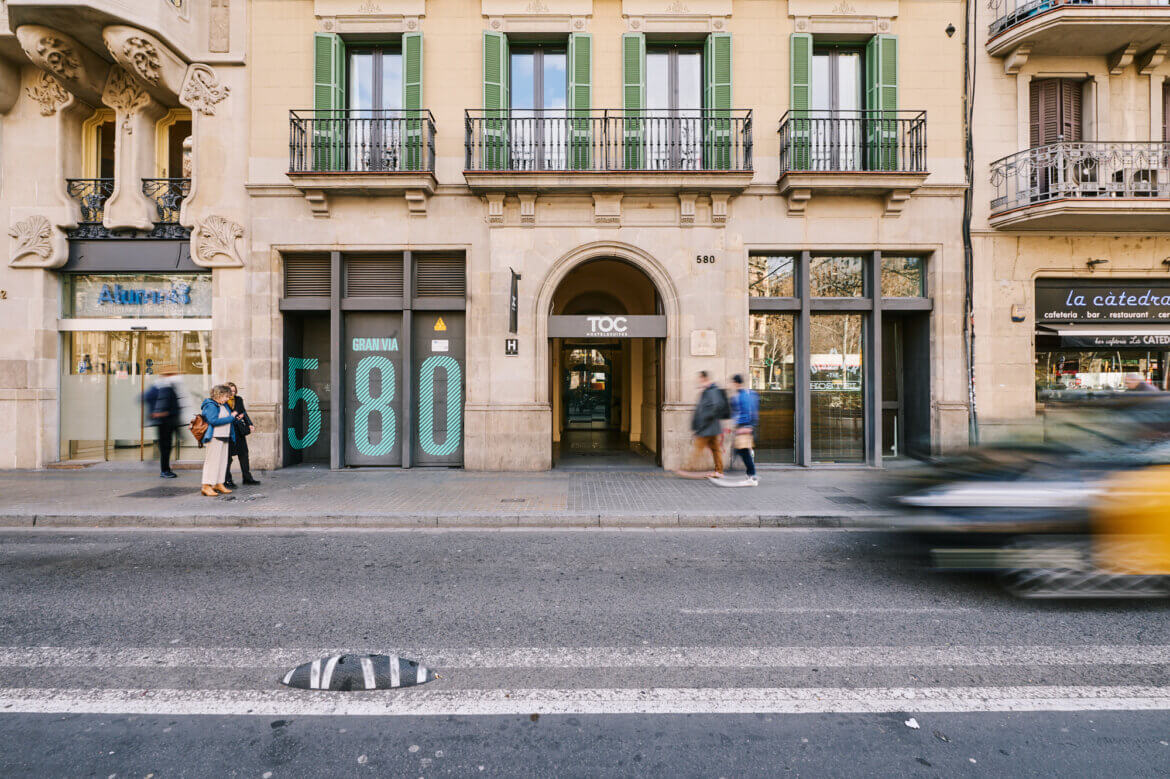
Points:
(771, 276)
(836, 382)
(1069, 374)
(837, 277)
(903, 277)
(773, 376)
(103, 378)
(137, 296)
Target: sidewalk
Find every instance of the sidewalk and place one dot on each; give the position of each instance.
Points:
(312, 496)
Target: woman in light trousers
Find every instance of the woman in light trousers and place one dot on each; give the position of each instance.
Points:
(217, 440)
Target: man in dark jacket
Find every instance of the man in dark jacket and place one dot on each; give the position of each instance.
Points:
(707, 422)
(164, 404)
(239, 445)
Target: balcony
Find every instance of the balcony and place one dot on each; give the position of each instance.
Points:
(1094, 186)
(362, 152)
(1078, 27)
(635, 151)
(852, 153)
(91, 195)
(168, 196)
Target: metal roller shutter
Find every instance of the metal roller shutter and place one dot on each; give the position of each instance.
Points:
(306, 276)
(439, 275)
(373, 276)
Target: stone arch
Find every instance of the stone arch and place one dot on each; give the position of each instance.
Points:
(640, 259)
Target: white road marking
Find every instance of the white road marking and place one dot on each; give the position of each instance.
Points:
(327, 677)
(395, 673)
(604, 657)
(289, 675)
(830, 610)
(368, 673)
(420, 702)
(315, 675)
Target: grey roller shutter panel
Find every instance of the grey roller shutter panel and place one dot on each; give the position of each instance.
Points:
(373, 276)
(439, 275)
(306, 276)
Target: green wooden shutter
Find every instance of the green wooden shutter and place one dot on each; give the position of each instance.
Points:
(495, 101)
(329, 102)
(800, 80)
(881, 102)
(717, 129)
(633, 99)
(415, 153)
(580, 100)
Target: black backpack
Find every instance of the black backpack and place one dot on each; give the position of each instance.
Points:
(724, 405)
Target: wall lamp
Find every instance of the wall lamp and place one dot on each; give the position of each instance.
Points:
(1166, 262)
(1094, 263)
(950, 30)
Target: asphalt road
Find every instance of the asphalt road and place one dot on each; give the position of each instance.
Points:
(587, 653)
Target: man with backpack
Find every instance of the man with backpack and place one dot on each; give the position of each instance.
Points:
(164, 403)
(707, 422)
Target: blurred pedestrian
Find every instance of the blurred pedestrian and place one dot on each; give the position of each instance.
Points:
(165, 401)
(1135, 382)
(217, 440)
(747, 418)
(239, 445)
(707, 423)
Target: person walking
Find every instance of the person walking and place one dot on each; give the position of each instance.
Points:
(706, 423)
(217, 439)
(164, 403)
(239, 446)
(747, 419)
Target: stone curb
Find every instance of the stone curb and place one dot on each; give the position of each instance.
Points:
(473, 520)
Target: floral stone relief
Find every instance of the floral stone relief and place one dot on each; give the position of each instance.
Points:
(214, 242)
(34, 238)
(47, 91)
(202, 90)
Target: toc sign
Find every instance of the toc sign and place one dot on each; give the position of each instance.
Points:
(607, 326)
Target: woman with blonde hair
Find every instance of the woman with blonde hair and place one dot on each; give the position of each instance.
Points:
(220, 433)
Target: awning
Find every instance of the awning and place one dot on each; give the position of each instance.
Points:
(1109, 336)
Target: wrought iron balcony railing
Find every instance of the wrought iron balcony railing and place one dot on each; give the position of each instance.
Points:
(361, 141)
(1081, 170)
(853, 141)
(92, 195)
(1009, 13)
(608, 141)
(168, 195)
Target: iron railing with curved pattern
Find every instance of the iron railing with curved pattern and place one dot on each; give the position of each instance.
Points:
(1009, 13)
(1081, 170)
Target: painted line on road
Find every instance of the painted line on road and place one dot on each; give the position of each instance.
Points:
(604, 657)
(831, 610)
(776, 700)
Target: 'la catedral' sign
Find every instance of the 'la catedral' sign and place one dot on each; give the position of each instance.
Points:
(1102, 300)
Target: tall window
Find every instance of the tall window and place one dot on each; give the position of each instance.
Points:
(674, 99)
(837, 78)
(1056, 110)
(539, 89)
(373, 95)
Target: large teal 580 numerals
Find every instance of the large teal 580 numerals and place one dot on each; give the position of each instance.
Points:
(312, 403)
(366, 405)
(426, 405)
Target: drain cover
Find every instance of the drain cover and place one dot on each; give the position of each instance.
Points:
(161, 492)
(358, 672)
(846, 501)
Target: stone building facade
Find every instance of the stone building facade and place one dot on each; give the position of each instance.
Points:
(491, 234)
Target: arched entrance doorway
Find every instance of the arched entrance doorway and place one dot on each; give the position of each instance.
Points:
(606, 332)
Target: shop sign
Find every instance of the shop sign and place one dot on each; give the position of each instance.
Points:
(131, 296)
(606, 326)
(1115, 341)
(1102, 300)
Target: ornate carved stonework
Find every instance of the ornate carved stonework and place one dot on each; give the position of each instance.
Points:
(370, 7)
(844, 7)
(678, 7)
(48, 91)
(202, 91)
(122, 93)
(145, 58)
(537, 7)
(217, 237)
(59, 57)
(31, 236)
(219, 31)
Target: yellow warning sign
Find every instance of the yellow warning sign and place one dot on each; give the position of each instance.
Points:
(440, 326)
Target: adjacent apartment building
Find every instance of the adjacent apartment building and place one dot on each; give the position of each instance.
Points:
(507, 234)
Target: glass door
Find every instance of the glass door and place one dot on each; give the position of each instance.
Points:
(836, 374)
(539, 93)
(104, 375)
(836, 101)
(374, 95)
(588, 389)
(674, 102)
